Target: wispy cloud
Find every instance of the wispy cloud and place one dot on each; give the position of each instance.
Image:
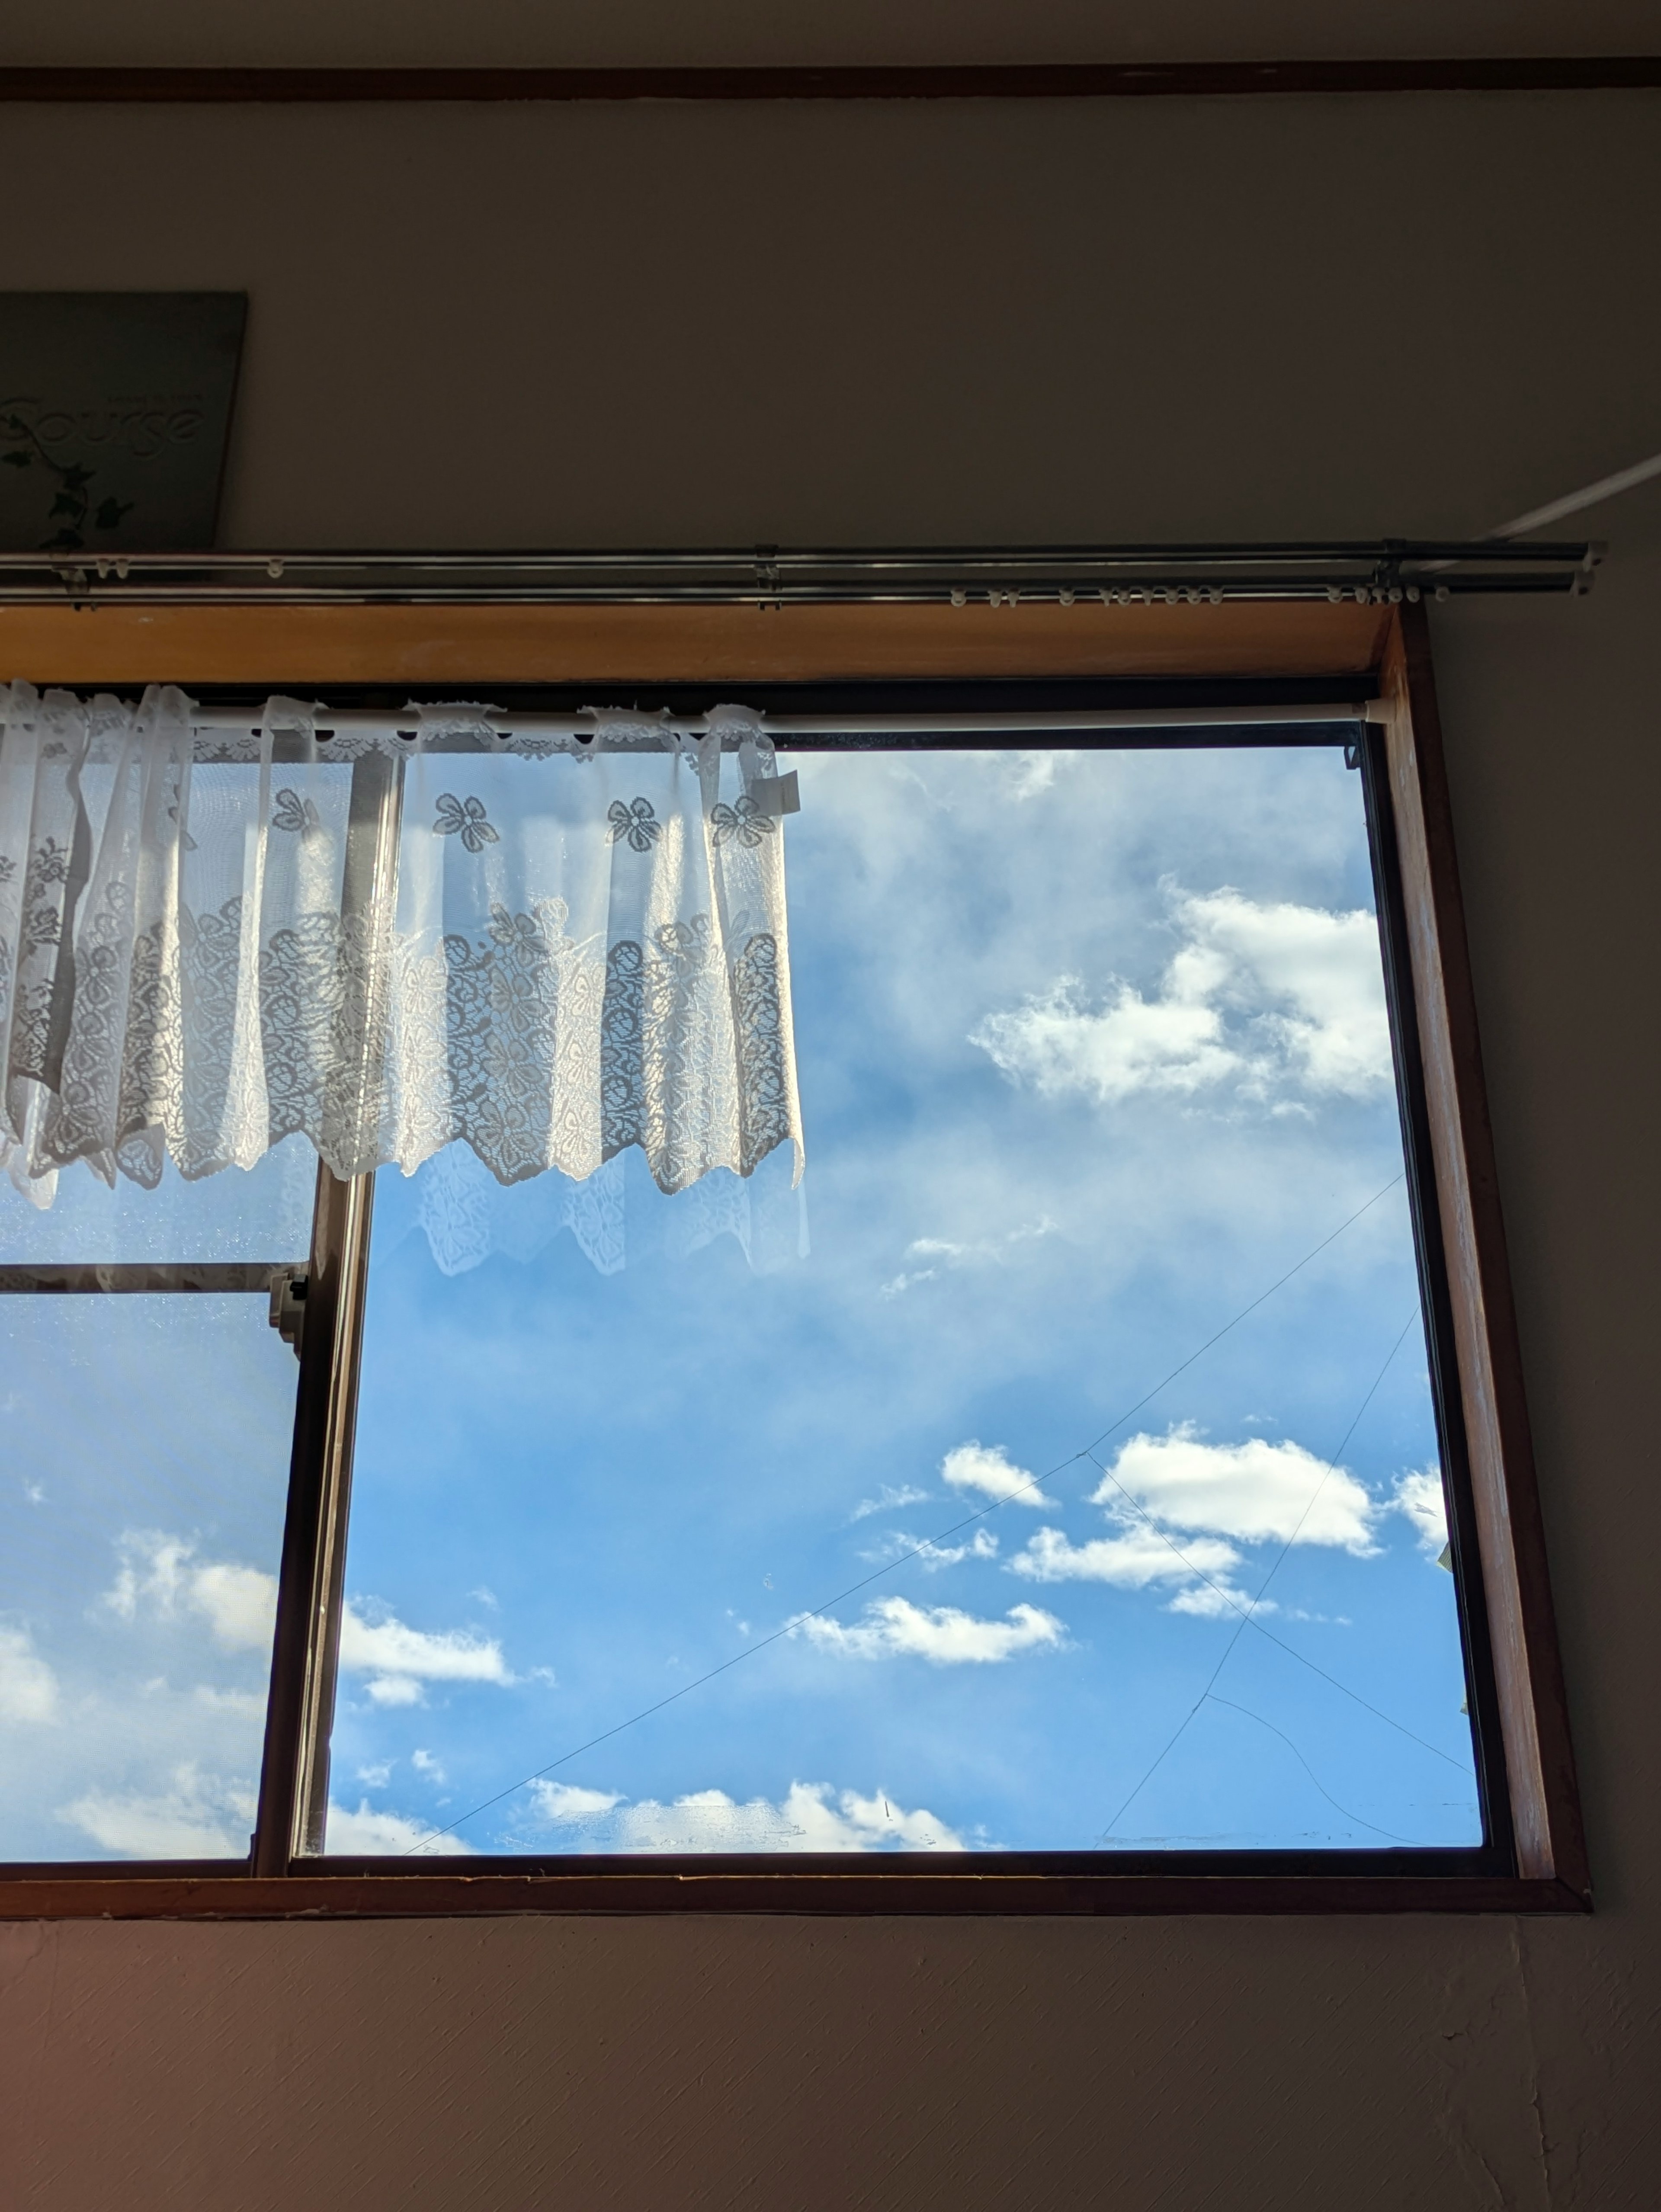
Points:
(1138, 1557)
(248, 1704)
(894, 1628)
(198, 1817)
(400, 1660)
(810, 1817)
(565, 1801)
(989, 1469)
(368, 1833)
(1131, 1561)
(900, 1544)
(943, 1254)
(28, 1687)
(1264, 998)
(162, 1576)
(889, 1499)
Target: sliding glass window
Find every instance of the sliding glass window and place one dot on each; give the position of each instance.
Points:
(1057, 1471)
(1066, 1475)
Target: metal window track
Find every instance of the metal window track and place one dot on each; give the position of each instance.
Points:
(30, 1279)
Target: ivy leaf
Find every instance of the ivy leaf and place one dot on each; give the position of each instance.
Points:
(76, 478)
(67, 541)
(110, 512)
(67, 503)
(17, 460)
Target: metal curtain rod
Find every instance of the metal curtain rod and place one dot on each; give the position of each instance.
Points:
(1370, 571)
(377, 722)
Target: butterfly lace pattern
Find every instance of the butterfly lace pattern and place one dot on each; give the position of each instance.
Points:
(139, 1025)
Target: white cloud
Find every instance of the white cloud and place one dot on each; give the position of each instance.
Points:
(989, 1468)
(566, 1801)
(947, 1254)
(399, 1659)
(1255, 1491)
(895, 1628)
(1421, 1497)
(1137, 1557)
(1057, 1043)
(368, 1834)
(377, 1776)
(199, 1818)
(1130, 1561)
(425, 1764)
(1264, 998)
(240, 1603)
(811, 1817)
(1251, 1493)
(888, 1500)
(162, 1576)
(28, 1687)
(250, 1704)
(899, 1544)
(1209, 1599)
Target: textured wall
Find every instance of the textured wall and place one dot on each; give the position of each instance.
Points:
(1255, 318)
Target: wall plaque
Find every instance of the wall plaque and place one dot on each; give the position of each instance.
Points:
(114, 412)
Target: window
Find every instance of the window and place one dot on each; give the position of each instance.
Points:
(1071, 1486)
(150, 1418)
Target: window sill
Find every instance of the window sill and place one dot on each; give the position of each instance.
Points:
(688, 1885)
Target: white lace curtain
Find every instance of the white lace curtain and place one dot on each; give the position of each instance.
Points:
(546, 950)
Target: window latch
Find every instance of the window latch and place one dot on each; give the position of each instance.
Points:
(289, 1304)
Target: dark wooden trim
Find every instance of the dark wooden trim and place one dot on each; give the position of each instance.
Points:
(898, 81)
(687, 1889)
(302, 1695)
(1436, 1302)
(1545, 1806)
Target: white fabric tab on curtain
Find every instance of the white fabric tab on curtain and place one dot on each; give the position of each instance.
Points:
(548, 950)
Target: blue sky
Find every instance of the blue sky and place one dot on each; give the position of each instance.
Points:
(1091, 1052)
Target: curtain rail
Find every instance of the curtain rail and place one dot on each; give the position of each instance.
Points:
(1373, 571)
(803, 728)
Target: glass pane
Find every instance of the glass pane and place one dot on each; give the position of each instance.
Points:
(264, 1214)
(1080, 1489)
(147, 1443)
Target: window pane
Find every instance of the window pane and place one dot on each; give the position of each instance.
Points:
(140, 1518)
(265, 1214)
(945, 1533)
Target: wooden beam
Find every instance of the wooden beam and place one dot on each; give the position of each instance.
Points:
(289, 646)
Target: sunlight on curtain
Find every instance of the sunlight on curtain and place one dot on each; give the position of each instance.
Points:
(547, 950)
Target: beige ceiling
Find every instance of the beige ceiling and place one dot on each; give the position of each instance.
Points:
(506, 31)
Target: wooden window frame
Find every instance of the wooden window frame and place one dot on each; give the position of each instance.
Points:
(1232, 654)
